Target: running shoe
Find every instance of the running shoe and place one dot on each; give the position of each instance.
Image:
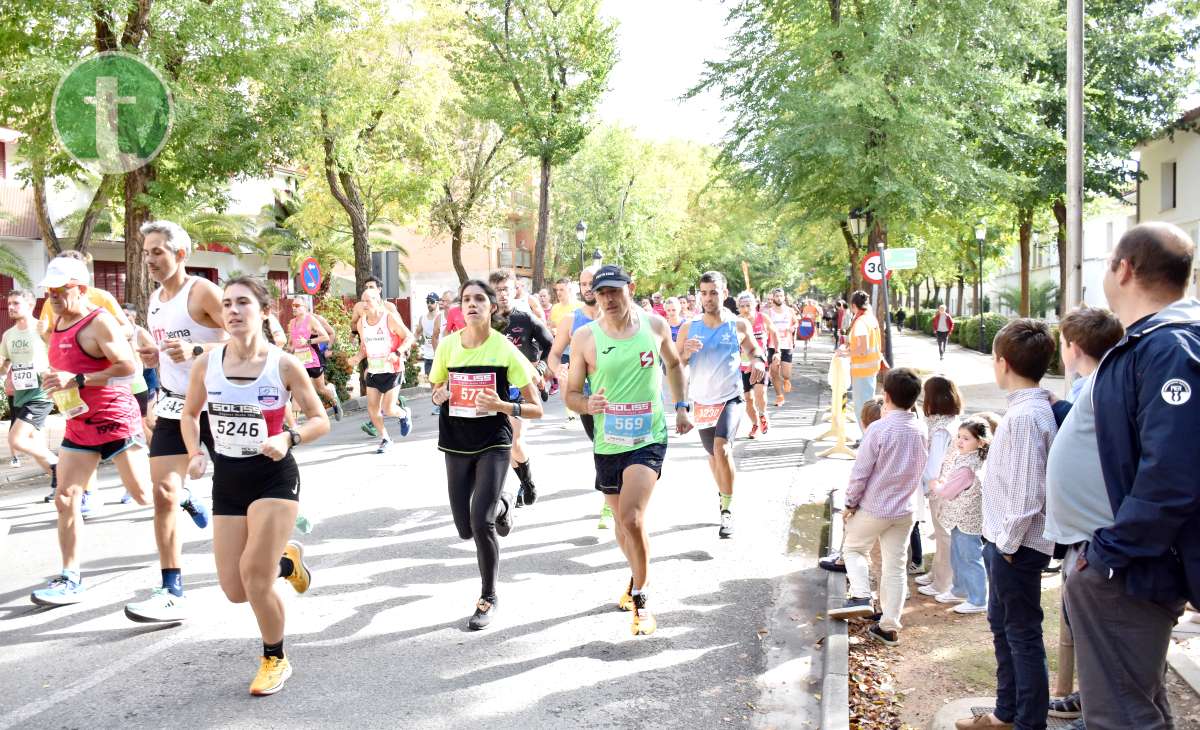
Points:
(272, 673)
(948, 597)
(1067, 708)
(384, 444)
(196, 510)
(753, 430)
(49, 497)
(15, 462)
(369, 429)
(126, 498)
(606, 515)
(853, 608)
(301, 576)
(405, 421)
(644, 623)
(62, 590)
(625, 602)
(161, 607)
(883, 636)
(437, 411)
(85, 505)
(484, 610)
(778, 400)
(337, 410)
(928, 590)
(762, 421)
(726, 530)
(504, 520)
(968, 607)
(924, 580)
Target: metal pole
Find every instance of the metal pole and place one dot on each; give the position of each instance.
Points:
(979, 297)
(887, 315)
(1074, 258)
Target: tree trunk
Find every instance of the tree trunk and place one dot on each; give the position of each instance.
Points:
(137, 212)
(344, 189)
(456, 244)
(937, 292)
(539, 248)
(37, 168)
(1025, 233)
(852, 253)
(959, 309)
(83, 237)
(1060, 215)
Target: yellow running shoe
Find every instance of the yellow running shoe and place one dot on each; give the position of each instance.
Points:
(300, 577)
(644, 623)
(272, 673)
(625, 603)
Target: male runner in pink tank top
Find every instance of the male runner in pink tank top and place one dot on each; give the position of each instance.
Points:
(91, 363)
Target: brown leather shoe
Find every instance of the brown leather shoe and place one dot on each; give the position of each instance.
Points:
(982, 722)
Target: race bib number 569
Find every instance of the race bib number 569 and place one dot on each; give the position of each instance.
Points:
(628, 424)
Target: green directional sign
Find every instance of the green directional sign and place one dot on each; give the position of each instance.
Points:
(899, 259)
(112, 112)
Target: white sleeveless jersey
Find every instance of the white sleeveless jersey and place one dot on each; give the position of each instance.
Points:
(243, 414)
(377, 341)
(783, 320)
(171, 320)
(427, 322)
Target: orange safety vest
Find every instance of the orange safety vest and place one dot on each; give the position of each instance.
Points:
(868, 363)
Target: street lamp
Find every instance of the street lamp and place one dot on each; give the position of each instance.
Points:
(597, 257)
(581, 236)
(858, 225)
(980, 237)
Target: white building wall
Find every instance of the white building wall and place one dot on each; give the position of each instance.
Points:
(1184, 152)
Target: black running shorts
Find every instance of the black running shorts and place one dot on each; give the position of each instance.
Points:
(610, 468)
(34, 413)
(107, 450)
(238, 483)
(167, 439)
(383, 382)
(784, 355)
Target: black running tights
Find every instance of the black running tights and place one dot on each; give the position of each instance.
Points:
(475, 482)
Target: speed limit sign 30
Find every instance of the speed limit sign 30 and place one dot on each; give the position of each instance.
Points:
(872, 268)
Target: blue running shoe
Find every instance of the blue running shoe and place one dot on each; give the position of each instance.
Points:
(405, 422)
(197, 510)
(85, 505)
(126, 498)
(63, 590)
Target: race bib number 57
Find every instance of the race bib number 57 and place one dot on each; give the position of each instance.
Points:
(465, 388)
(628, 424)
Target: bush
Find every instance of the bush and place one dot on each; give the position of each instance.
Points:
(342, 348)
(967, 330)
(922, 320)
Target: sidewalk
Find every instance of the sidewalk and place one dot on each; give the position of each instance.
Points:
(971, 371)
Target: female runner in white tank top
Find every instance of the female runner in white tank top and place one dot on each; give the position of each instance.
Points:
(244, 386)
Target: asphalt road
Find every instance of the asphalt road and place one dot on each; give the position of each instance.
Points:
(381, 640)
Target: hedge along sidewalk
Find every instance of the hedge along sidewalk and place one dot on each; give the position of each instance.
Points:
(971, 371)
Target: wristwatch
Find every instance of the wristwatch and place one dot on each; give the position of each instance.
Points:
(79, 379)
(197, 350)
(684, 405)
(295, 437)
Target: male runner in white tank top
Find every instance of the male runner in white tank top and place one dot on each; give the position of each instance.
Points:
(184, 317)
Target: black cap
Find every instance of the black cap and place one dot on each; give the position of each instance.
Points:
(431, 297)
(610, 275)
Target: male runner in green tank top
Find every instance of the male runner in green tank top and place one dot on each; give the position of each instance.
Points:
(619, 355)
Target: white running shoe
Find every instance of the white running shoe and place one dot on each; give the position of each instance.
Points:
(968, 607)
(161, 607)
(948, 597)
(928, 591)
(923, 580)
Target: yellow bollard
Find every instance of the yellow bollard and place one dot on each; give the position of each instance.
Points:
(838, 375)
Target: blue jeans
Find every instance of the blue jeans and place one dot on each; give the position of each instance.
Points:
(1015, 616)
(861, 391)
(966, 558)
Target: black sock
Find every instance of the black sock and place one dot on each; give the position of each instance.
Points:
(275, 650)
(172, 580)
(286, 566)
(522, 470)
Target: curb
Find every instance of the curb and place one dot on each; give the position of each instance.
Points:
(835, 682)
(1185, 666)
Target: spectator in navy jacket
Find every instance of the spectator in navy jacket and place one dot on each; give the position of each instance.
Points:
(1127, 586)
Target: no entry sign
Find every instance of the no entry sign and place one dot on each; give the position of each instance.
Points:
(310, 275)
(806, 329)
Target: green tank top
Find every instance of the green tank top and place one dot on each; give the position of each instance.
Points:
(629, 372)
